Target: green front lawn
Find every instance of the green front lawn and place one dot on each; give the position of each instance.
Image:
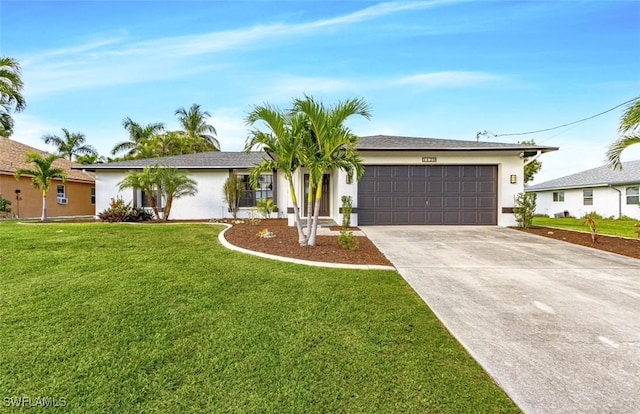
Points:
(161, 318)
(624, 227)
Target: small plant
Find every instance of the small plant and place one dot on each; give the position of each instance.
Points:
(524, 209)
(265, 234)
(591, 221)
(637, 226)
(253, 220)
(4, 206)
(119, 211)
(348, 241)
(266, 207)
(233, 189)
(347, 208)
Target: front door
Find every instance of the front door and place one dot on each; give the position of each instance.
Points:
(324, 201)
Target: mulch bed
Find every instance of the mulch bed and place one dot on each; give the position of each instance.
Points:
(285, 243)
(619, 245)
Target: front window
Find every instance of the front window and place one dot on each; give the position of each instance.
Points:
(93, 195)
(250, 195)
(587, 197)
(61, 190)
(558, 196)
(633, 195)
(146, 200)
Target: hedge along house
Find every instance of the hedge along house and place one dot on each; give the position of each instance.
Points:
(406, 181)
(602, 190)
(75, 197)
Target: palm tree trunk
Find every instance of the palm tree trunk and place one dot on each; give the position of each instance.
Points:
(167, 208)
(296, 212)
(309, 212)
(316, 213)
(44, 206)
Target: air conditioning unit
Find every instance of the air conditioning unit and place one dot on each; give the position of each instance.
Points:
(63, 200)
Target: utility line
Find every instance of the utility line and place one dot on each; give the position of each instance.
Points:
(559, 126)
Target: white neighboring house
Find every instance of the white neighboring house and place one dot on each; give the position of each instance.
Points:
(422, 181)
(607, 192)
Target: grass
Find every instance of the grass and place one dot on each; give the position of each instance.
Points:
(161, 318)
(622, 227)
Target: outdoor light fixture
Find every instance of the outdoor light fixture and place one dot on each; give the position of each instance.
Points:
(513, 179)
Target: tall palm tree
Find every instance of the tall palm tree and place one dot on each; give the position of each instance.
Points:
(194, 124)
(11, 98)
(331, 146)
(41, 175)
(282, 142)
(629, 130)
(137, 135)
(70, 144)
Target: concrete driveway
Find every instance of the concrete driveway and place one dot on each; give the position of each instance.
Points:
(556, 325)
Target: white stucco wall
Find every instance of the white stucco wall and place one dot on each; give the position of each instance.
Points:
(605, 202)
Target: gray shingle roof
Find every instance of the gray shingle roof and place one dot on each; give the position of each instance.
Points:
(595, 177)
(203, 160)
(386, 142)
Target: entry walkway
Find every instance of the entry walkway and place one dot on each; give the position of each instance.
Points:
(556, 325)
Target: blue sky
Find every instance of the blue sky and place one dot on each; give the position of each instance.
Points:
(443, 69)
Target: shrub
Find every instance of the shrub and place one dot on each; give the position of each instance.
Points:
(348, 241)
(232, 191)
(119, 211)
(591, 221)
(637, 226)
(266, 207)
(524, 209)
(347, 208)
(4, 205)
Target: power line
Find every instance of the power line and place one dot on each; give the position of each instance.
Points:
(559, 126)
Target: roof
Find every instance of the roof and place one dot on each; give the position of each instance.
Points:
(202, 160)
(12, 157)
(595, 177)
(397, 143)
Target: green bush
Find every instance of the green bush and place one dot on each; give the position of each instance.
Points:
(4, 205)
(266, 207)
(347, 208)
(119, 211)
(524, 209)
(348, 241)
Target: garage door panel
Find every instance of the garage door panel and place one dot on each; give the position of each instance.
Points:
(428, 194)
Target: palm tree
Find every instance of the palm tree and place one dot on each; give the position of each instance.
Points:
(70, 144)
(137, 135)
(175, 184)
(282, 142)
(11, 98)
(160, 182)
(330, 146)
(42, 174)
(147, 181)
(194, 124)
(629, 130)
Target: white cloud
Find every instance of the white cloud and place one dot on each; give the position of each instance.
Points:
(115, 61)
(449, 79)
(29, 131)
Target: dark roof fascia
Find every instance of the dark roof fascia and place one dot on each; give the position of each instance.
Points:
(140, 167)
(528, 152)
(577, 187)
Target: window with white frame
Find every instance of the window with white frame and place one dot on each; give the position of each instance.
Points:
(633, 195)
(252, 195)
(558, 196)
(587, 197)
(61, 190)
(93, 195)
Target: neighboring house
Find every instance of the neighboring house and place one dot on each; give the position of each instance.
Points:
(607, 192)
(75, 197)
(406, 181)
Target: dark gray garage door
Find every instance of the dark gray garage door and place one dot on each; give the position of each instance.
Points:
(428, 194)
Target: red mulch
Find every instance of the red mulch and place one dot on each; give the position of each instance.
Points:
(626, 247)
(286, 244)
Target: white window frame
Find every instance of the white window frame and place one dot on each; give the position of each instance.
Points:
(633, 195)
(587, 197)
(62, 194)
(558, 196)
